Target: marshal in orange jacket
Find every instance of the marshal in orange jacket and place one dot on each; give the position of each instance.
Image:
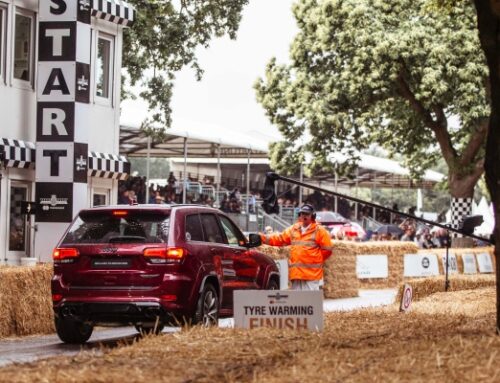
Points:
(308, 251)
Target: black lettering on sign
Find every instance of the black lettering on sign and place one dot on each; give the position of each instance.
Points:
(56, 81)
(60, 9)
(54, 160)
(55, 121)
(57, 41)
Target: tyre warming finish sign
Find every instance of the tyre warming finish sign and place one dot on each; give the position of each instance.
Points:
(295, 310)
(63, 91)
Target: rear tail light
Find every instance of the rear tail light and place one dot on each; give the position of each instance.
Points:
(65, 254)
(164, 255)
(120, 213)
(56, 297)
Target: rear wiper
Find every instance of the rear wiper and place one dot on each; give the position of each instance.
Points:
(127, 238)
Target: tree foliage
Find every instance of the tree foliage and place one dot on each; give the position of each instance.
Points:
(386, 72)
(164, 39)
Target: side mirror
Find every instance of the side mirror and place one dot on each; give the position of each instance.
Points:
(254, 240)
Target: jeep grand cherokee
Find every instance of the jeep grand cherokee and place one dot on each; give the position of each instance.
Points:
(150, 266)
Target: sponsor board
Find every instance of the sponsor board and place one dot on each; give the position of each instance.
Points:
(372, 266)
(420, 265)
(295, 310)
(452, 263)
(484, 263)
(469, 263)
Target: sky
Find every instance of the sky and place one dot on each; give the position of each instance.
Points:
(225, 99)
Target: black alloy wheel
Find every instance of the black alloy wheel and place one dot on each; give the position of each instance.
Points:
(207, 307)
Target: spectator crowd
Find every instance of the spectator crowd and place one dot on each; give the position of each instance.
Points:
(403, 229)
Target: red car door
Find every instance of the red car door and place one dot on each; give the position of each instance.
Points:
(213, 234)
(244, 264)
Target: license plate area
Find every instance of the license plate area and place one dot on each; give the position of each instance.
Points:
(111, 263)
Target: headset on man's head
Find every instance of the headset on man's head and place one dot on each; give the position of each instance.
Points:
(308, 209)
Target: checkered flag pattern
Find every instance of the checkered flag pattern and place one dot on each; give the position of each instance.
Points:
(17, 153)
(105, 165)
(114, 11)
(460, 208)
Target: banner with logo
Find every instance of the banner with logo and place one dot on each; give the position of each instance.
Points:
(452, 263)
(469, 263)
(372, 266)
(420, 265)
(295, 310)
(484, 263)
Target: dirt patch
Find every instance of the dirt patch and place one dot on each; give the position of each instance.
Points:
(446, 337)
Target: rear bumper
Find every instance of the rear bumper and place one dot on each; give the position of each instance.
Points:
(119, 313)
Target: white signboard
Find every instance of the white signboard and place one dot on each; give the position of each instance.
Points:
(283, 268)
(484, 263)
(295, 310)
(372, 266)
(469, 264)
(420, 265)
(452, 263)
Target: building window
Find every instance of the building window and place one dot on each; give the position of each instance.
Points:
(23, 47)
(17, 231)
(104, 67)
(3, 23)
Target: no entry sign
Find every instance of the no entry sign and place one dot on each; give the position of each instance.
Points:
(407, 298)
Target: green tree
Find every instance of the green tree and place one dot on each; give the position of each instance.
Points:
(386, 72)
(164, 39)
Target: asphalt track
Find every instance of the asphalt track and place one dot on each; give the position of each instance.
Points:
(32, 348)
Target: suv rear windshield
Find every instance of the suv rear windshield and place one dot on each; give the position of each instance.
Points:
(125, 227)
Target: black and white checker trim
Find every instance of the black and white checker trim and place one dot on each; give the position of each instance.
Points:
(460, 208)
(114, 11)
(17, 153)
(112, 166)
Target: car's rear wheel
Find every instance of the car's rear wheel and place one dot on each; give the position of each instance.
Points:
(207, 307)
(73, 331)
(272, 285)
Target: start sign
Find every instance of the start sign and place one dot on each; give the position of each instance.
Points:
(295, 310)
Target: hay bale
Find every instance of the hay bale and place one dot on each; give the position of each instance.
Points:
(25, 300)
(395, 251)
(340, 280)
(428, 286)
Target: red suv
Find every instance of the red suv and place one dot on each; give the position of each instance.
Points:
(150, 266)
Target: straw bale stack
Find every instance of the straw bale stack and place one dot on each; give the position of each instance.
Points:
(434, 342)
(275, 252)
(340, 280)
(428, 286)
(458, 254)
(25, 300)
(340, 276)
(395, 251)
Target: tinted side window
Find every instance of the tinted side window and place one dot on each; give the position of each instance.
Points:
(193, 228)
(233, 235)
(211, 228)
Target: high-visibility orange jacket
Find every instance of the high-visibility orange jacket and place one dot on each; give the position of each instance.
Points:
(308, 251)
